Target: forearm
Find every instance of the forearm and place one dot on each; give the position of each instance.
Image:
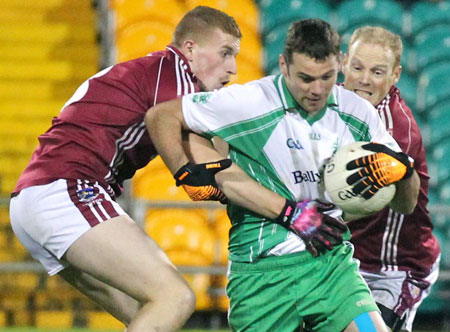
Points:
(406, 194)
(239, 187)
(165, 128)
(242, 190)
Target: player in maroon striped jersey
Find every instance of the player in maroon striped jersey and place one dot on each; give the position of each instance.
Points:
(399, 254)
(63, 208)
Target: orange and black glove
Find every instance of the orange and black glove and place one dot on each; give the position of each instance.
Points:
(198, 180)
(379, 169)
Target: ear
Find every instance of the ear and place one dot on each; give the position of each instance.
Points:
(282, 63)
(187, 48)
(340, 61)
(397, 73)
(344, 63)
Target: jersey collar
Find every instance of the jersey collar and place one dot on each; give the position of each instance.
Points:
(183, 61)
(289, 103)
(393, 92)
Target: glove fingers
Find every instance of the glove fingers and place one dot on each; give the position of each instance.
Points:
(324, 241)
(321, 247)
(312, 249)
(358, 163)
(359, 187)
(327, 234)
(204, 193)
(324, 206)
(375, 147)
(223, 200)
(334, 223)
(355, 177)
(369, 193)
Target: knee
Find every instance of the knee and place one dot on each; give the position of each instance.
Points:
(185, 301)
(178, 296)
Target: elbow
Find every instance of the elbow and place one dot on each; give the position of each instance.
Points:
(409, 208)
(150, 118)
(407, 194)
(403, 207)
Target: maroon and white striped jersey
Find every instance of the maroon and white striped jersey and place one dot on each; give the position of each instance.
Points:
(389, 241)
(100, 133)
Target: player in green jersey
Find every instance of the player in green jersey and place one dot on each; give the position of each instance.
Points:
(289, 263)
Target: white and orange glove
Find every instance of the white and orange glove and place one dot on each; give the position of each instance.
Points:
(198, 180)
(379, 169)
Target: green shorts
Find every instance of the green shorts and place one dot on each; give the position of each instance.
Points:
(280, 293)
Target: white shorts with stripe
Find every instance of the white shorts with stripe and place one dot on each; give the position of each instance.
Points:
(400, 291)
(47, 219)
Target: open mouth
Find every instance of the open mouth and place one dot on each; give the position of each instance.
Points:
(363, 93)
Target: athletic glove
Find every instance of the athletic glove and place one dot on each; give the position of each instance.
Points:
(378, 170)
(318, 230)
(199, 182)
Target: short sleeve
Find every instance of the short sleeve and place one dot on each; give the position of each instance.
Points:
(208, 112)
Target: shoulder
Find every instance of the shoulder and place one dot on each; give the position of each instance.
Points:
(136, 70)
(398, 105)
(169, 56)
(405, 128)
(350, 102)
(237, 102)
(258, 91)
(395, 108)
(148, 62)
(264, 87)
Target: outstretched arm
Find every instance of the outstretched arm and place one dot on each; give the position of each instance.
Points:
(167, 129)
(239, 187)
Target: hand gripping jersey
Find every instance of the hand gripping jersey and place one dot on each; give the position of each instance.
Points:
(100, 133)
(278, 144)
(389, 241)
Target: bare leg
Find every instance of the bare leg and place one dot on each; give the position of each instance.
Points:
(120, 254)
(117, 303)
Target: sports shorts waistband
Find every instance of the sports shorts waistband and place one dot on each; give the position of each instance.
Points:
(278, 262)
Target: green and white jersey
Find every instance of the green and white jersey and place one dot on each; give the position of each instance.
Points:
(279, 145)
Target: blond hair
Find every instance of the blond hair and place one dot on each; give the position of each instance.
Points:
(200, 21)
(379, 36)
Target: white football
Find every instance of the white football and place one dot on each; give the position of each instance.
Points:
(335, 175)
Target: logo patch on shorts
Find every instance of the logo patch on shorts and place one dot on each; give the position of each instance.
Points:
(414, 290)
(87, 194)
(361, 303)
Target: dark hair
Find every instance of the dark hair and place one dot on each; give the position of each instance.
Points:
(313, 37)
(200, 21)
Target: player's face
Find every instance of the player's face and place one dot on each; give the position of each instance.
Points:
(310, 81)
(213, 60)
(369, 71)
